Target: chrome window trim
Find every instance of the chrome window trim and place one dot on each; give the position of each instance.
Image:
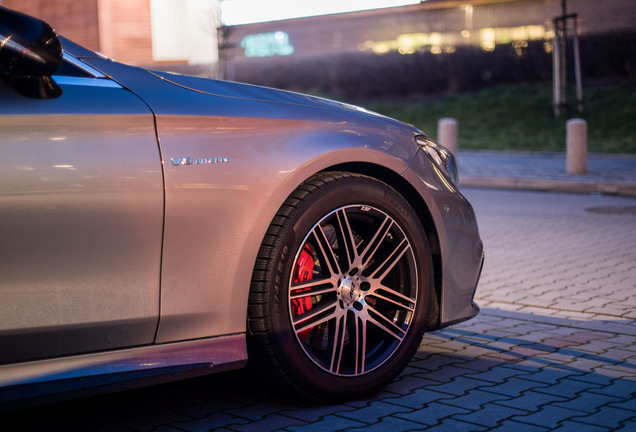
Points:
(82, 81)
(83, 66)
(96, 78)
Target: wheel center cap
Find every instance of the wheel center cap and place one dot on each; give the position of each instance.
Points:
(348, 290)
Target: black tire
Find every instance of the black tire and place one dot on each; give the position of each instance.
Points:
(328, 320)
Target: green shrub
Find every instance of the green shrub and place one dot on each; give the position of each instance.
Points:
(520, 117)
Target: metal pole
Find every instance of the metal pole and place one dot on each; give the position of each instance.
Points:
(559, 65)
(563, 39)
(556, 71)
(577, 65)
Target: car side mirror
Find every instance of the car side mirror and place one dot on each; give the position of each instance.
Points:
(30, 53)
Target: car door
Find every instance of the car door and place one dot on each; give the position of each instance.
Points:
(81, 219)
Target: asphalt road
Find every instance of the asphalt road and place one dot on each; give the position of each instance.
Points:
(554, 347)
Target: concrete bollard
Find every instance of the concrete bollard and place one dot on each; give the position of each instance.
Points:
(576, 146)
(447, 134)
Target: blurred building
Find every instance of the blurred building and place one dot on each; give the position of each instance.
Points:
(174, 33)
(139, 32)
(436, 26)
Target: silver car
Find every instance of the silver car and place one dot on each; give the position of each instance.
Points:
(160, 225)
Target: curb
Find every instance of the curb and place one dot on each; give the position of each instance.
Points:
(567, 186)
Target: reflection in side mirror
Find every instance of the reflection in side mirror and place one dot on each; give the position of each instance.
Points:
(30, 52)
(34, 86)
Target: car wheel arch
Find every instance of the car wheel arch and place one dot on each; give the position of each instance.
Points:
(371, 169)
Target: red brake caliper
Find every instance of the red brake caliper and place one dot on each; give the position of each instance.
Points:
(304, 271)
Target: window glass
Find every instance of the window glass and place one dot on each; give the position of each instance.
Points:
(69, 69)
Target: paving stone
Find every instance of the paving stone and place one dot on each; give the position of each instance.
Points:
(313, 413)
(629, 404)
(627, 426)
(271, 422)
(574, 426)
(407, 382)
(431, 362)
(460, 386)
(480, 365)
(588, 363)
(418, 398)
(214, 422)
(593, 378)
(497, 375)
(549, 416)
(596, 347)
(172, 429)
(618, 387)
(568, 387)
(432, 414)
(374, 412)
(551, 374)
(204, 409)
(327, 424)
(623, 327)
(389, 423)
(490, 416)
(452, 425)
(608, 417)
(260, 410)
(143, 422)
(617, 371)
(531, 401)
(471, 352)
(476, 399)
(515, 386)
(444, 374)
(512, 425)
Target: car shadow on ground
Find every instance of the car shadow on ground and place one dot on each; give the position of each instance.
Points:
(499, 369)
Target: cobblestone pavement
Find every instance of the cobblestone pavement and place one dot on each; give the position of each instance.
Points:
(558, 254)
(553, 349)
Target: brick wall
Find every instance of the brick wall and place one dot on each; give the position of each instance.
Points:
(75, 19)
(119, 29)
(124, 27)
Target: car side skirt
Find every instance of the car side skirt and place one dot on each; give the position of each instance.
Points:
(145, 364)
